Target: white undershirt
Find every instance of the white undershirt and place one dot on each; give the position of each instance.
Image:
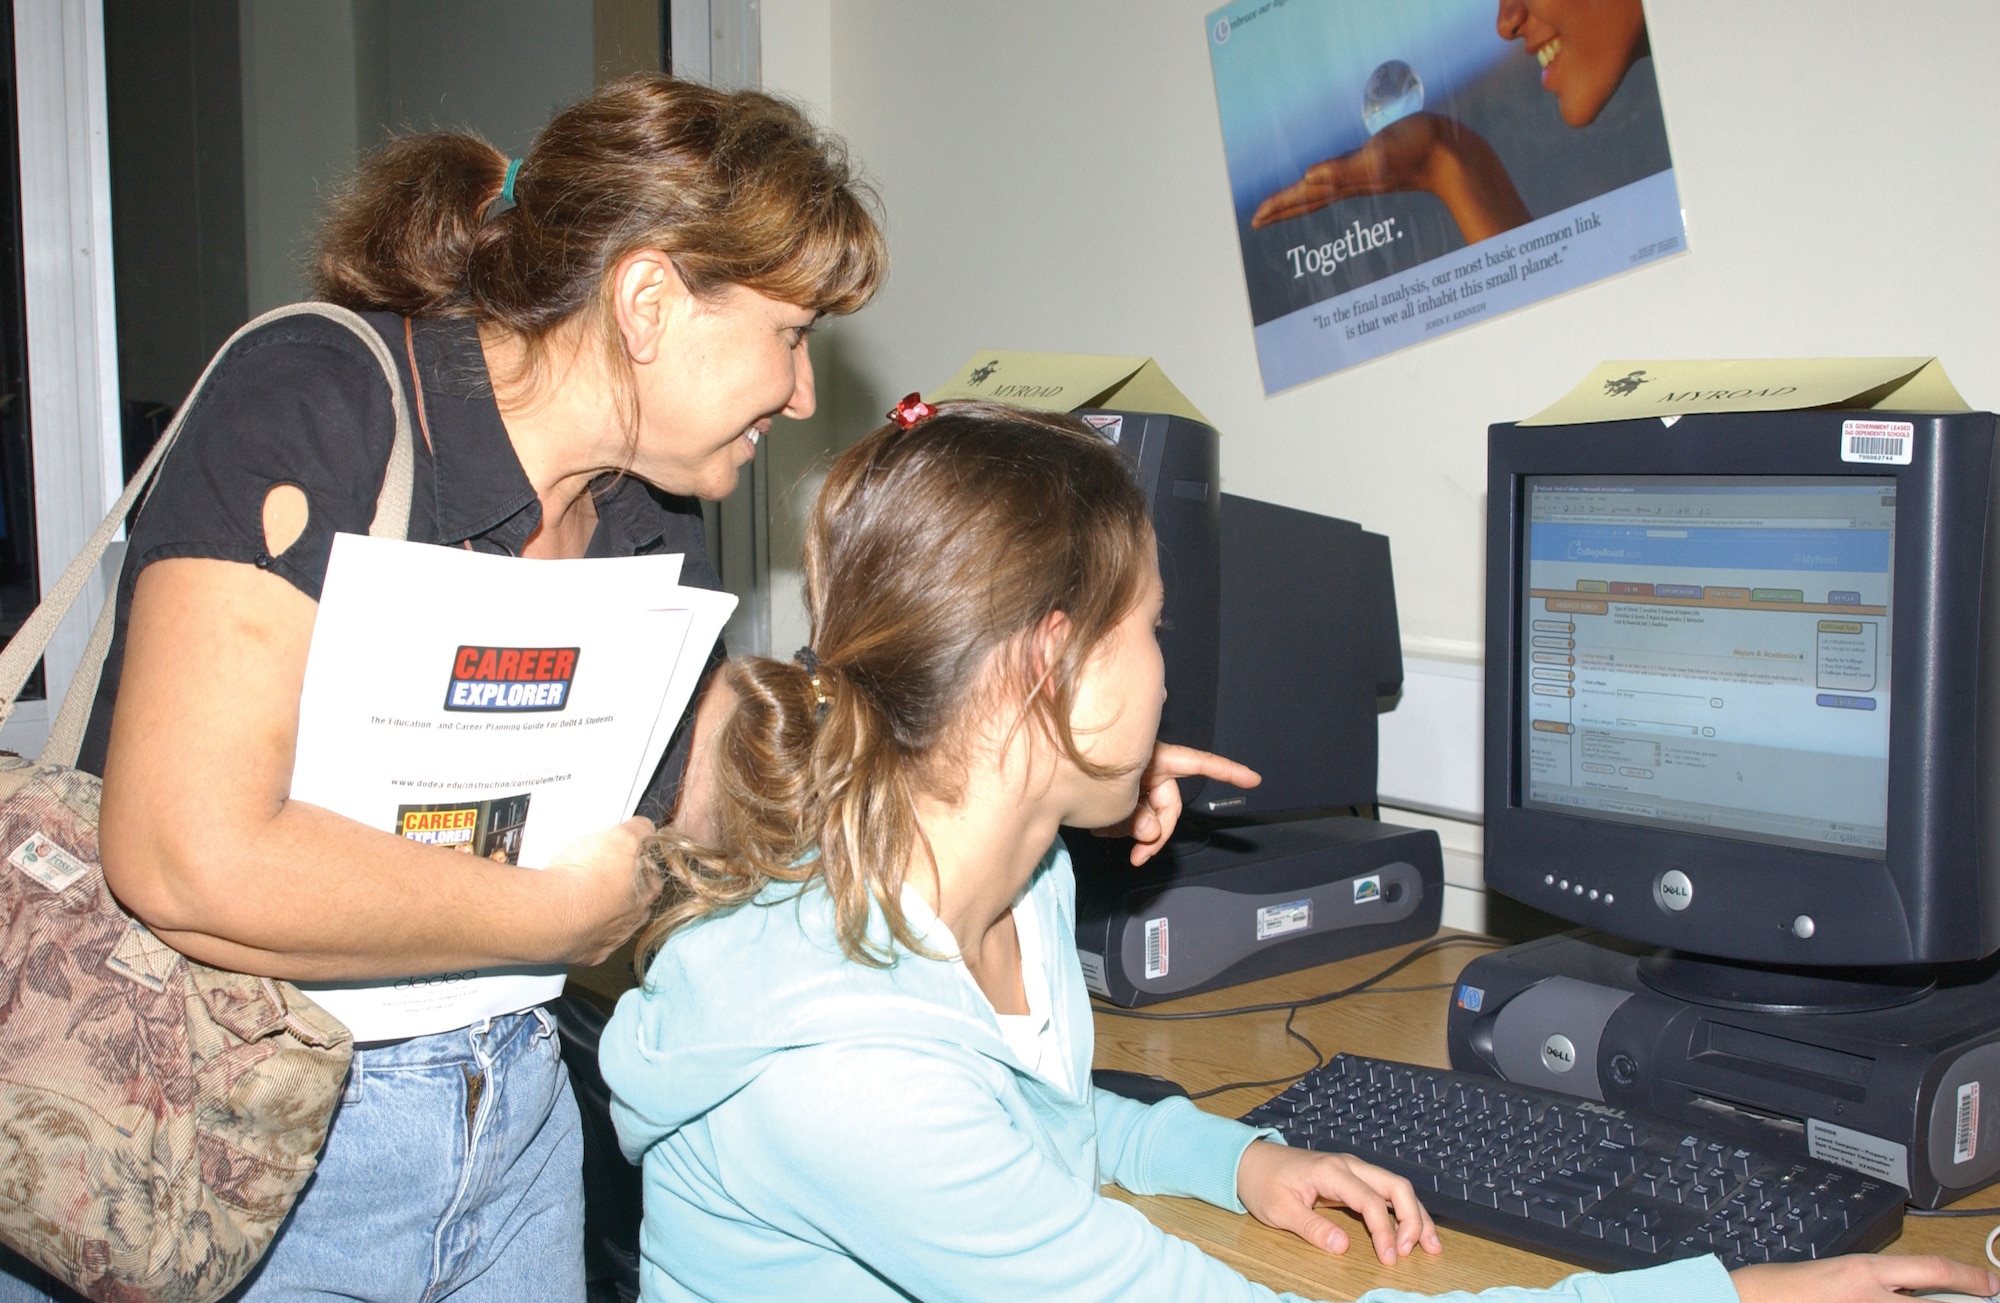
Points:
(1031, 1035)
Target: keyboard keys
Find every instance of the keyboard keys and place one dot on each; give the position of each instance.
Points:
(1591, 1183)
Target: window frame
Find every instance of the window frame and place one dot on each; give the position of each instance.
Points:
(65, 188)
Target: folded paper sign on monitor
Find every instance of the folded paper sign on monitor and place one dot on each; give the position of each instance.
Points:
(1621, 391)
(1064, 382)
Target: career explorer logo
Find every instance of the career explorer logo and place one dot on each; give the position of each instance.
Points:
(510, 678)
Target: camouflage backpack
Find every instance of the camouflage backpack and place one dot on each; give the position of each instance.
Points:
(157, 1117)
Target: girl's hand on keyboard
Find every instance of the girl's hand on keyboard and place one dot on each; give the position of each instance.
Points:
(1858, 1278)
(1284, 1187)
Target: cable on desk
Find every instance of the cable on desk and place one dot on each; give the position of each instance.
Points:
(1291, 1008)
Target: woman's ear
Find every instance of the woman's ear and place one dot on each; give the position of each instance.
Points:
(646, 294)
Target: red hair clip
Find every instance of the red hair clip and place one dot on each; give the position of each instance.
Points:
(911, 410)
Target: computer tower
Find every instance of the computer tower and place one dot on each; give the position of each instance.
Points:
(1249, 901)
(1893, 1092)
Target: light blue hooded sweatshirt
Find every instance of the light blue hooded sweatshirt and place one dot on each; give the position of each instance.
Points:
(811, 1128)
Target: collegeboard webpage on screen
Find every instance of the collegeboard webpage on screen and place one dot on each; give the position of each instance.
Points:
(1711, 654)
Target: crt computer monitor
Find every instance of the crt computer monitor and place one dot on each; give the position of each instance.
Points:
(1279, 629)
(1743, 691)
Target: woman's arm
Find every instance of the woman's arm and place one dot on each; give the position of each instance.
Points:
(694, 808)
(200, 839)
(1425, 151)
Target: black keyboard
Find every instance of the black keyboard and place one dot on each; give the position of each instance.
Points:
(1573, 1179)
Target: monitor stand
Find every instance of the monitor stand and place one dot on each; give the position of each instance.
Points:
(1752, 988)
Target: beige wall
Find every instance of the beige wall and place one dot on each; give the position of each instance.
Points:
(1053, 177)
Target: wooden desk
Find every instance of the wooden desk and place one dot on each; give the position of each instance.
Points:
(1407, 1026)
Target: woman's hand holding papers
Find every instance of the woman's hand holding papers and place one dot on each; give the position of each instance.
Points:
(610, 888)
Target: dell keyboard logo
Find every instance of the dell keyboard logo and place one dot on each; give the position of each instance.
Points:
(1558, 1055)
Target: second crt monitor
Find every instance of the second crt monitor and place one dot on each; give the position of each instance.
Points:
(1743, 718)
(1737, 702)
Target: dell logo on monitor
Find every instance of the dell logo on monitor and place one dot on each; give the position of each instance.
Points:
(1558, 1055)
(1674, 891)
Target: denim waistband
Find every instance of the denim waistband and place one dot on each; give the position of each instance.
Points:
(460, 1045)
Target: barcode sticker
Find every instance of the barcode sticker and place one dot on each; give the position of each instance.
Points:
(1965, 1144)
(1156, 948)
(1111, 427)
(1884, 442)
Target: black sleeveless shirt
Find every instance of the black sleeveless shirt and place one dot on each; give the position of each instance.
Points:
(302, 402)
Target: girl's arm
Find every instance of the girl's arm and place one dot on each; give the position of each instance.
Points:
(1174, 1148)
(906, 1160)
(200, 839)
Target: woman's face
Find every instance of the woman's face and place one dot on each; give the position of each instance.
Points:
(1585, 48)
(726, 367)
(1116, 713)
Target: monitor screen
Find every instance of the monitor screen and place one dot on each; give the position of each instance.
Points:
(1710, 654)
(1742, 699)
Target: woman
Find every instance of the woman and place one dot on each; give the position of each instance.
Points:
(859, 1066)
(626, 327)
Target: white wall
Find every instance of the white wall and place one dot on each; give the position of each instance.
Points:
(323, 82)
(1053, 176)
(797, 41)
(300, 134)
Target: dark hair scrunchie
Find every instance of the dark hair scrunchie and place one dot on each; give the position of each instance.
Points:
(809, 659)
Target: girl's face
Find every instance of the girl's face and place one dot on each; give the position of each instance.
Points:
(1585, 48)
(725, 369)
(1116, 714)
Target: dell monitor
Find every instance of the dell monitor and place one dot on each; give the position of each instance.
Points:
(1743, 696)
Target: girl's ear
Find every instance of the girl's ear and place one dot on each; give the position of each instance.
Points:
(1046, 643)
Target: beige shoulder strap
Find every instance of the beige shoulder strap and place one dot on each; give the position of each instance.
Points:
(17, 660)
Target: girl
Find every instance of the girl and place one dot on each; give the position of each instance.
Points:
(859, 1066)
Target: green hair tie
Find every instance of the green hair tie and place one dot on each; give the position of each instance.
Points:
(507, 186)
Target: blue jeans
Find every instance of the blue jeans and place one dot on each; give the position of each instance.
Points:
(453, 1171)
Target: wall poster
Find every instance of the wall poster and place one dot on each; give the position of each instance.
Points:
(1401, 169)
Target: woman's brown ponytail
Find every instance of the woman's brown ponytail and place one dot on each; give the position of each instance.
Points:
(400, 233)
(737, 188)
